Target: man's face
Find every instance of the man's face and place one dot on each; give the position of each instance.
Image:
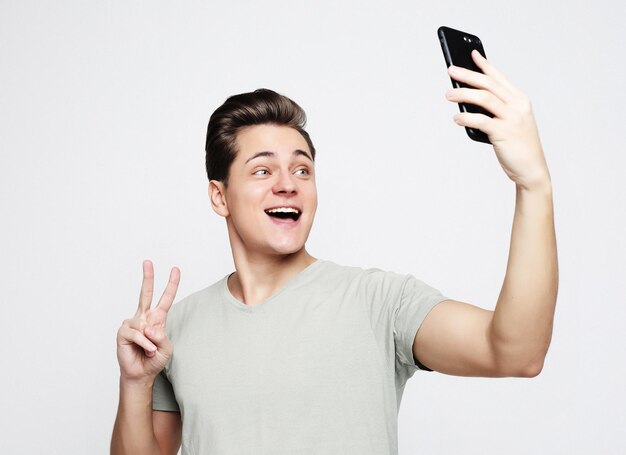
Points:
(271, 196)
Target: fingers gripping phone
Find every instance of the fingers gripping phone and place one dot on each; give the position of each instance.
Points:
(457, 48)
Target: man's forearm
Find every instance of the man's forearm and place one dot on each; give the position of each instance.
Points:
(133, 432)
(523, 319)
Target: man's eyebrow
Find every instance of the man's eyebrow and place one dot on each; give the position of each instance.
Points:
(268, 154)
(299, 152)
(259, 155)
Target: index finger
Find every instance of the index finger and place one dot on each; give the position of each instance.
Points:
(480, 81)
(491, 70)
(166, 300)
(147, 285)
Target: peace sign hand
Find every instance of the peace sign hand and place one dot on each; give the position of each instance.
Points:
(143, 348)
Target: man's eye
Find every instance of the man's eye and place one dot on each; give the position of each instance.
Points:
(302, 172)
(261, 172)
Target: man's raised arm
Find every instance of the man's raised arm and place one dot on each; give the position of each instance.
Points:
(143, 350)
(462, 339)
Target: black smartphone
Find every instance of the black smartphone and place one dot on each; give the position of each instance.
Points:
(457, 48)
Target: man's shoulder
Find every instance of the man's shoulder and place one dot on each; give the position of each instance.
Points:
(362, 275)
(192, 301)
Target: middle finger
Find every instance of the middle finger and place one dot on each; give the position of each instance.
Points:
(480, 81)
(480, 98)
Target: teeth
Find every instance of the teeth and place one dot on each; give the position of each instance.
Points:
(283, 210)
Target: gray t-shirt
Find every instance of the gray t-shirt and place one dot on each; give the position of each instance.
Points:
(318, 368)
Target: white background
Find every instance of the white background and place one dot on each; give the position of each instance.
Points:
(103, 113)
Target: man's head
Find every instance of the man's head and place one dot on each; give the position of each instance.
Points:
(263, 106)
(260, 164)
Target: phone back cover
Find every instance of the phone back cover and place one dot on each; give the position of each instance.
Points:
(457, 49)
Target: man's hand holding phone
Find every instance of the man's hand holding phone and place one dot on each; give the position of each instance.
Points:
(512, 130)
(143, 348)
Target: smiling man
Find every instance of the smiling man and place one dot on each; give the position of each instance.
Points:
(291, 354)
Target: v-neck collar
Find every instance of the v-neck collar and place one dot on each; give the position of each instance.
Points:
(289, 284)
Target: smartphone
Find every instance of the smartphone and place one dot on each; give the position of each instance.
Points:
(457, 48)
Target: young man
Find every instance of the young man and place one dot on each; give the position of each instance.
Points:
(295, 355)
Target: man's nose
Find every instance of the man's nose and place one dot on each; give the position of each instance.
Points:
(285, 183)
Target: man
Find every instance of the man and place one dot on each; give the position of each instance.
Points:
(295, 355)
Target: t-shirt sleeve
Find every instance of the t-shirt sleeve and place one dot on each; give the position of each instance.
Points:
(163, 398)
(416, 300)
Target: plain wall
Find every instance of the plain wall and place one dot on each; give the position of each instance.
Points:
(103, 113)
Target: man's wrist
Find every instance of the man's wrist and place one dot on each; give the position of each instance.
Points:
(543, 185)
(137, 385)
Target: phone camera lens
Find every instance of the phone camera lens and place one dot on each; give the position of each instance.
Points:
(465, 38)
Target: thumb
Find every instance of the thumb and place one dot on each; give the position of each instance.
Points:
(159, 337)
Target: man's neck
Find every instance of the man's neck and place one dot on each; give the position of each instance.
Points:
(258, 278)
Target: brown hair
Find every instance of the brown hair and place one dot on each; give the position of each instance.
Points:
(263, 106)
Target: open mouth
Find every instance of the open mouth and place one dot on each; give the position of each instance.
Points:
(284, 213)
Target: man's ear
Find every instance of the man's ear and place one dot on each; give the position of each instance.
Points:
(217, 195)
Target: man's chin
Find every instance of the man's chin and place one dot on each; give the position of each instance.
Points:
(288, 250)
